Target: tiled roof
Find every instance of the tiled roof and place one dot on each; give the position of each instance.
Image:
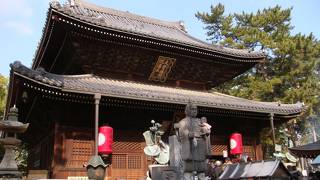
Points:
(143, 26)
(89, 84)
(308, 150)
(258, 169)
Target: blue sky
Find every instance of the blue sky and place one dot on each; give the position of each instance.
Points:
(22, 21)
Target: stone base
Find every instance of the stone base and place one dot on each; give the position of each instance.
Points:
(164, 172)
(8, 162)
(10, 174)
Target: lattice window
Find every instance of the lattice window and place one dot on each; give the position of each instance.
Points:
(218, 149)
(81, 152)
(134, 162)
(119, 161)
(127, 146)
(82, 148)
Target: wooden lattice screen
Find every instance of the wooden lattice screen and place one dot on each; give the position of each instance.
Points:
(128, 161)
(218, 149)
(119, 161)
(80, 152)
(128, 146)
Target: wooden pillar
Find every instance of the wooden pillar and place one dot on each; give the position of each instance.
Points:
(97, 98)
(259, 152)
(272, 128)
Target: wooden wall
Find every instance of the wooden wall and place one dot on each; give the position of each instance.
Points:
(74, 146)
(69, 143)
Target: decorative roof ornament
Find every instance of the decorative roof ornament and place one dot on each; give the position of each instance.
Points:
(39, 74)
(183, 27)
(100, 19)
(55, 4)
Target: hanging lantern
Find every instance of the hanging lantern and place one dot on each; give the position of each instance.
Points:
(236, 144)
(105, 140)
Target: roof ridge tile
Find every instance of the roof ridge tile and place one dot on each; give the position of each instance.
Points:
(126, 14)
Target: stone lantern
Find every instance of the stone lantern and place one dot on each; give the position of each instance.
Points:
(96, 168)
(10, 127)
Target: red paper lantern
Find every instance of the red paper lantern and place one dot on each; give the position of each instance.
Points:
(105, 140)
(236, 144)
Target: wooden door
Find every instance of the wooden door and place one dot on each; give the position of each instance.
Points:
(128, 161)
(128, 166)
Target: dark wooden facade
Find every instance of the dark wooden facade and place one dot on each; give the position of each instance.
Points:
(144, 69)
(61, 140)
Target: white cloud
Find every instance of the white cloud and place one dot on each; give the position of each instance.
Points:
(17, 26)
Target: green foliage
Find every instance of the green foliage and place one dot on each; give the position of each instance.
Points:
(21, 158)
(3, 93)
(290, 72)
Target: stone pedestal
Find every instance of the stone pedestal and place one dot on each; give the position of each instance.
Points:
(8, 165)
(161, 172)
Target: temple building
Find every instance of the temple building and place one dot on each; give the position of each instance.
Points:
(137, 69)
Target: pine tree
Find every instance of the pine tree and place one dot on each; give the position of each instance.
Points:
(290, 72)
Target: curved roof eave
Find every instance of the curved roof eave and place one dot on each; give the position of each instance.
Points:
(89, 84)
(148, 27)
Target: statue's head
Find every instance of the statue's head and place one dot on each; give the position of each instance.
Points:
(191, 110)
(203, 120)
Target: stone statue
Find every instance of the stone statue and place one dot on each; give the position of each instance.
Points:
(194, 137)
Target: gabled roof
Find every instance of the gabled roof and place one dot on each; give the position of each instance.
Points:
(173, 32)
(89, 84)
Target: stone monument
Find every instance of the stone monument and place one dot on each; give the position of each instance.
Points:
(193, 143)
(10, 127)
(188, 148)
